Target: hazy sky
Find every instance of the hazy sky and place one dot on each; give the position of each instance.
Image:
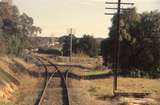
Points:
(85, 16)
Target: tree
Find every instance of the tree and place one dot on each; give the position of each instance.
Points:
(88, 45)
(129, 21)
(65, 42)
(139, 43)
(148, 44)
(16, 29)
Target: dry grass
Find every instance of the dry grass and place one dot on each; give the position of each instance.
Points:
(26, 93)
(85, 92)
(139, 85)
(101, 89)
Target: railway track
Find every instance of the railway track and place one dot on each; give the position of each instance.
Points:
(54, 78)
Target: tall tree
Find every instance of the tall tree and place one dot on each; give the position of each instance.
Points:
(16, 29)
(139, 42)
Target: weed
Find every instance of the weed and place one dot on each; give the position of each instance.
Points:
(124, 103)
(92, 89)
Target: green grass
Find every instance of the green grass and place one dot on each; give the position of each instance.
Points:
(96, 72)
(92, 89)
(5, 76)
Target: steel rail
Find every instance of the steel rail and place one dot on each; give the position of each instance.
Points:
(64, 80)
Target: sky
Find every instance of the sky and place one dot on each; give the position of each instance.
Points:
(55, 17)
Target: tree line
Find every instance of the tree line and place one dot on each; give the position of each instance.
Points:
(139, 53)
(87, 45)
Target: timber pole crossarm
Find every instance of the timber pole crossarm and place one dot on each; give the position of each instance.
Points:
(116, 8)
(120, 3)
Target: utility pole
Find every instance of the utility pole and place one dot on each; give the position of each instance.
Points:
(117, 49)
(71, 42)
(71, 33)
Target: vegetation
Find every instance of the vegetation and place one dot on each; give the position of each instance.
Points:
(15, 29)
(65, 42)
(96, 72)
(14, 83)
(92, 89)
(86, 45)
(50, 51)
(139, 44)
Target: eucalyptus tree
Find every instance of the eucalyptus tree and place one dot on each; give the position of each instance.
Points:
(139, 43)
(16, 29)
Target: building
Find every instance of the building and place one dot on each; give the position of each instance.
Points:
(7, 1)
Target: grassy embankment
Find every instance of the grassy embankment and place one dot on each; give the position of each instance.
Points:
(16, 87)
